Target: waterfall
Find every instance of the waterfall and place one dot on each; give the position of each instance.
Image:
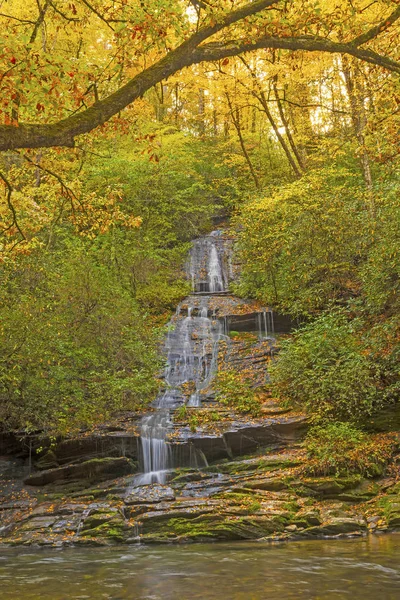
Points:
(265, 324)
(191, 349)
(210, 265)
(215, 278)
(155, 450)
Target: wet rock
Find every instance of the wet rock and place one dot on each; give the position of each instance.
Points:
(214, 447)
(307, 518)
(189, 476)
(97, 517)
(84, 448)
(391, 506)
(244, 437)
(12, 468)
(16, 505)
(336, 527)
(149, 494)
(47, 461)
(91, 470)
(267, 462)
(328, 487)
(248, 438)
(265, 483)
(42, 522)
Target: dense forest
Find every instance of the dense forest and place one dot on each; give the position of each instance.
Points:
(130, 128)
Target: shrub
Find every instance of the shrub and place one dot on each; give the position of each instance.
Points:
(343, 449)
(324, 367)
(195, 417)
(236, 393)
(301, 247)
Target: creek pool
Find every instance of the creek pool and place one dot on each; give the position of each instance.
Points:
(363, 568)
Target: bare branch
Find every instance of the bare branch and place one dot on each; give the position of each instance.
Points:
(17, 19)
(375, 31)
(9, 191)
(63, 15)
(99, 15)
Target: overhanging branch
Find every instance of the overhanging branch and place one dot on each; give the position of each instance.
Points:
(219, 50)
(189, 52)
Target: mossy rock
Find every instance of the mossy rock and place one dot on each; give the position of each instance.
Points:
(270, 484)
(47, 461)
(98, 518)
(97, 469)
(391, 509)
(214, 527)
(113, 529)
(336, 527)
(328, 487)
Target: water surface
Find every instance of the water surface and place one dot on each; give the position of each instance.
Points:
(367, 569)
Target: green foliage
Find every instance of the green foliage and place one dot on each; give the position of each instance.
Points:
(80, 312)
(342, 449)
(74, 345)
(236, 393)
(324, 368)
(300, 246)
(195, 417)
(382, 339)
(175, 197)
(380, 274)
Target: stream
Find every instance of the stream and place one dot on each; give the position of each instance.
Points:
(362, 568)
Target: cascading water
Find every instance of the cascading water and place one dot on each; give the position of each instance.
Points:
(192, 352)
(155, 450)
(210, 266)
(191, 349)
(215, 278)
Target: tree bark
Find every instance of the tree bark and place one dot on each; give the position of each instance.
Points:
(356, 95)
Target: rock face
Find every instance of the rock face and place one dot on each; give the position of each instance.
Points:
(90, 470)
(265, 496)
(243, 438)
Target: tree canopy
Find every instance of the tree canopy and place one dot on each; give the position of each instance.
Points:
(70, 67)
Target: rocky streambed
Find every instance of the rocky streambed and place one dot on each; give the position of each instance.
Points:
(254, 487)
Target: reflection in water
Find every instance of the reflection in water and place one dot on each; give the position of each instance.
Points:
(364, 569)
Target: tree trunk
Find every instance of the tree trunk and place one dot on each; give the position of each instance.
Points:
(235, 115)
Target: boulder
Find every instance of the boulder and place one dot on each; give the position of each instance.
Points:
(244, 437)
(111, 444)
(91, 470)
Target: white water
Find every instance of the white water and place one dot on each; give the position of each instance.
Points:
(215, 278)
(210, 265)
(155, 450)
(191, 349)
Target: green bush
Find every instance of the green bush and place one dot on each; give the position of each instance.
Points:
(74, 344)
(343, 449)
(325, 368)
(301, 247)
(236, 393)
(195, 417)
